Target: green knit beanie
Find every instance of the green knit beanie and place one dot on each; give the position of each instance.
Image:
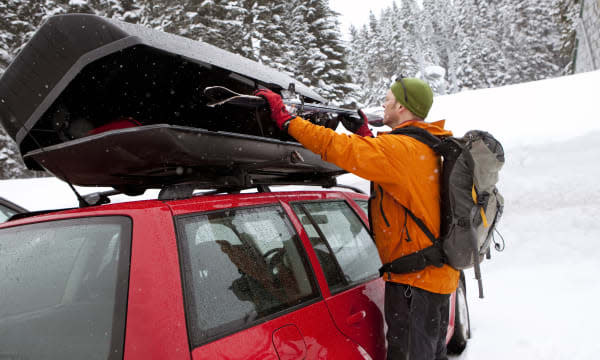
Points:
(418, 98)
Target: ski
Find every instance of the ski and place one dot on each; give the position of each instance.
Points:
(220, 95)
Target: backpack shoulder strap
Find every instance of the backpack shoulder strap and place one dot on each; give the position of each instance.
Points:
(421, 135)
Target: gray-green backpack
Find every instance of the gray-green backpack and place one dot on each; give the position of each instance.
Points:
(471, 204)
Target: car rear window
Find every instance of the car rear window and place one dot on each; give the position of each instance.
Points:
(240, 267)
(64, 289)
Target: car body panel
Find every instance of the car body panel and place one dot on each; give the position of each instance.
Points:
(155, 307)
(320, 338)
(358, 314)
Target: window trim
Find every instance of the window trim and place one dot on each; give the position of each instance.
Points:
(119, 313)
(196, 341)
(348, 285)
(356, 201)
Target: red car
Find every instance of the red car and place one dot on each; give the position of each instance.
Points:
(288, 275)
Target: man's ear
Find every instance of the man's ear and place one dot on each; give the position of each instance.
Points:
(399, 108)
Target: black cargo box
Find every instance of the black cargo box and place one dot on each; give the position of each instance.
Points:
(80, 72)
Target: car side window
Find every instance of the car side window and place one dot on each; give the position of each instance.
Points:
(240, 266)
(64, 288)
(343, 245)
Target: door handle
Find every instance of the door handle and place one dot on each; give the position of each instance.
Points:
(356, 317)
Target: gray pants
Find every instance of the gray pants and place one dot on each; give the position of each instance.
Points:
(417, 323)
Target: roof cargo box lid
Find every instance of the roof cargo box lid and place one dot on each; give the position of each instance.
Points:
(155, 156)
(92, 68)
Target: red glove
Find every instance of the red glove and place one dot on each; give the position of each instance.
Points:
(279, 113)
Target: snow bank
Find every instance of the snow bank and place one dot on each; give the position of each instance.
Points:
(524, 114)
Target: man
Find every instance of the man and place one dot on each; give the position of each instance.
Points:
(405, 174)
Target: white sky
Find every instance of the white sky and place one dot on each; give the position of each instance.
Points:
(356, 12)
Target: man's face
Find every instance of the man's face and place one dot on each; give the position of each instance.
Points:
(391, 113)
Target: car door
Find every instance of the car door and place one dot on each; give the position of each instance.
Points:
(249, 288)
(350, 263)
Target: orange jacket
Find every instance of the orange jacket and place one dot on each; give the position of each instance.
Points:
(404, 172)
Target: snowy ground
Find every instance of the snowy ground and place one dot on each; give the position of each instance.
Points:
(541, 292)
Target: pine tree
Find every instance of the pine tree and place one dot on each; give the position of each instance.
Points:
(535, 42)
(412, 42)
(335, 74)
(482, 62)
(381, 62)
(358, 65)
(217, 22)
(19, 19)
(427, 35)
(565, 14)
(265, 32)
(443, 39)
(163, 15)
(9, 166)
(317, 51)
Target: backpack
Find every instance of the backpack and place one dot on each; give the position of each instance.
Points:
(471, 204)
